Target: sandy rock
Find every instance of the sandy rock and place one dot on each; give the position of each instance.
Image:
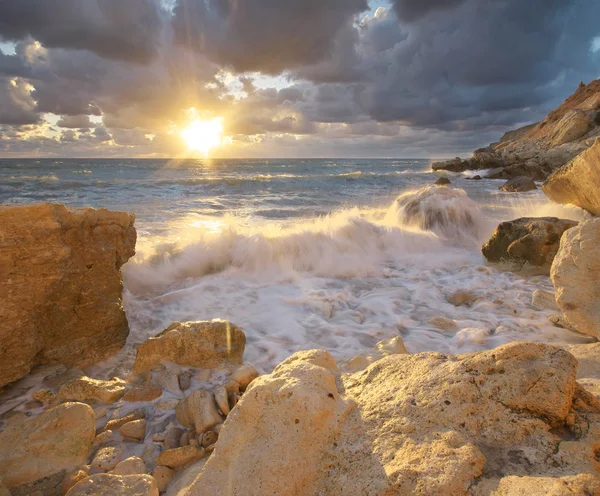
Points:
(56, 440)
(543, 300)
(207, 344)
(221, 399)
(572, 126)
(232, 386)
(146, 393)
(131, 466)
(179, 458)
(103, 438)
(461, 298)
(168, 380)
(577, 182)
(172, 438)
(527, 240)
(244, 375)
(136, 429)
(107, 458)
(588, 358)
(87, 389)
(45, 396)
(184, 440)
(574, 274)
(426, 423)
(519, 184)
(357, 363)
(209, 438)
(578, 485)
(163, 476)
(198, 411)
(167, 405)
(116, 423)
(73, 478)
(61, 286)
(100, 412)
(116, 485)
(394, 346)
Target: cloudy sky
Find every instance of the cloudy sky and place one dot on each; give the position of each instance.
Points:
(289, 78)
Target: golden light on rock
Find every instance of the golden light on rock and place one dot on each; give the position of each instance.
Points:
(203, 135)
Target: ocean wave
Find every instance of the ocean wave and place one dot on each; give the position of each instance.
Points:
(46, 178)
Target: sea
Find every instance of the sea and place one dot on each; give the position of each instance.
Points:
(335, 254)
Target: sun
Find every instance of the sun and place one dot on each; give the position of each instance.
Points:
(203, 135)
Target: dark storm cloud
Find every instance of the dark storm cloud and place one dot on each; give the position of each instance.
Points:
(263, 35)
(409, 10)
(116, 29)
(74, 122)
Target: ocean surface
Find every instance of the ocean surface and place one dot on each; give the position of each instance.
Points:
(336, 254)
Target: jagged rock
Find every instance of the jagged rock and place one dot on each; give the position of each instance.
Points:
(61, 286)
(131, 466)
(207, 344)
(163, 476)
(453, 165)
(575, 277)
(244, 375)
(180, 458)
(115, 485)
(108, 457)
(58, 439)
(426, 423)
(136, 429)
(198, 411)
(529, 240)
(518, 184)
(577, 182)
(443, 181)
(572, 126)
(87, 389)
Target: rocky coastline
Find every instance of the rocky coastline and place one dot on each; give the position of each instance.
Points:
(191, 418)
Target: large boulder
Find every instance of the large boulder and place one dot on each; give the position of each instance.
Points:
(61, 287)
(576, 277)
(577, 182)
(532, 240)
(427, 423)
(518, 184)
(57, 440)
(206, 344)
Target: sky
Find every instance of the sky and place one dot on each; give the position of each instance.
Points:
(285, 78)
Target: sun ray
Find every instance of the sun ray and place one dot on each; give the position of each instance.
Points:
(203, 135)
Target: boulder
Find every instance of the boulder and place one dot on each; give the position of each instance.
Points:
(518, 184)
(180, 458)
(163, 476)
(576, 277)
(107, 458)
(198, 411)
(88, 389)
(577, 182)
(115, 485)
(532, 240)
(61, 286)
(207, 344)
(131, 466)
(426, 423)
(57, 440)
(453, 165)
(136, 429)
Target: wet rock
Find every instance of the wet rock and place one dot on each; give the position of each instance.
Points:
(116, 485)
(179, 458)
(87, 389)
(244, 375)
(577, 182)
(168, 380)
(131, 466)
(461, 298)
(184, 381)
(543, 300)
(56, 440)
(172, 438)
(444, 324)
(221, 399)
(453, 165)
(198, 411)
(146, 393)
(529, 240)
(107, 458)
(136, 429)
(207, 344)
(519, 184)
(116, 423)
(61, 286)
(443, 181)
(163, 476)
(575, 277)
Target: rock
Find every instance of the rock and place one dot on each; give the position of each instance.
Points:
(136, 429)
(580, 485)
(444, 324)
(518, 184)
(184, 440)
(577, 182)
(184, 381)
(476, 177)
(87, 389)
(198, 411)
(61, 286)
(168, 380)
(149, 455)
(103, 438)
(571, 127)
(146, 393)
(73, 478)
(394, 346)
(207, 344)
(588, 358)
(167, 404)
(163, 476)
(443, 181)
(543, 300)
(529, 240)
(107, 458)
(221, 399)
(426, 423)
(461, 298)
(453, 165)
(45, 396)
(180, 458)
(56, 440)
(244, 375)
(115, 485)
(131, 466)
(114, 424)
(172, 438)
(209, 438)
(575, 277)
